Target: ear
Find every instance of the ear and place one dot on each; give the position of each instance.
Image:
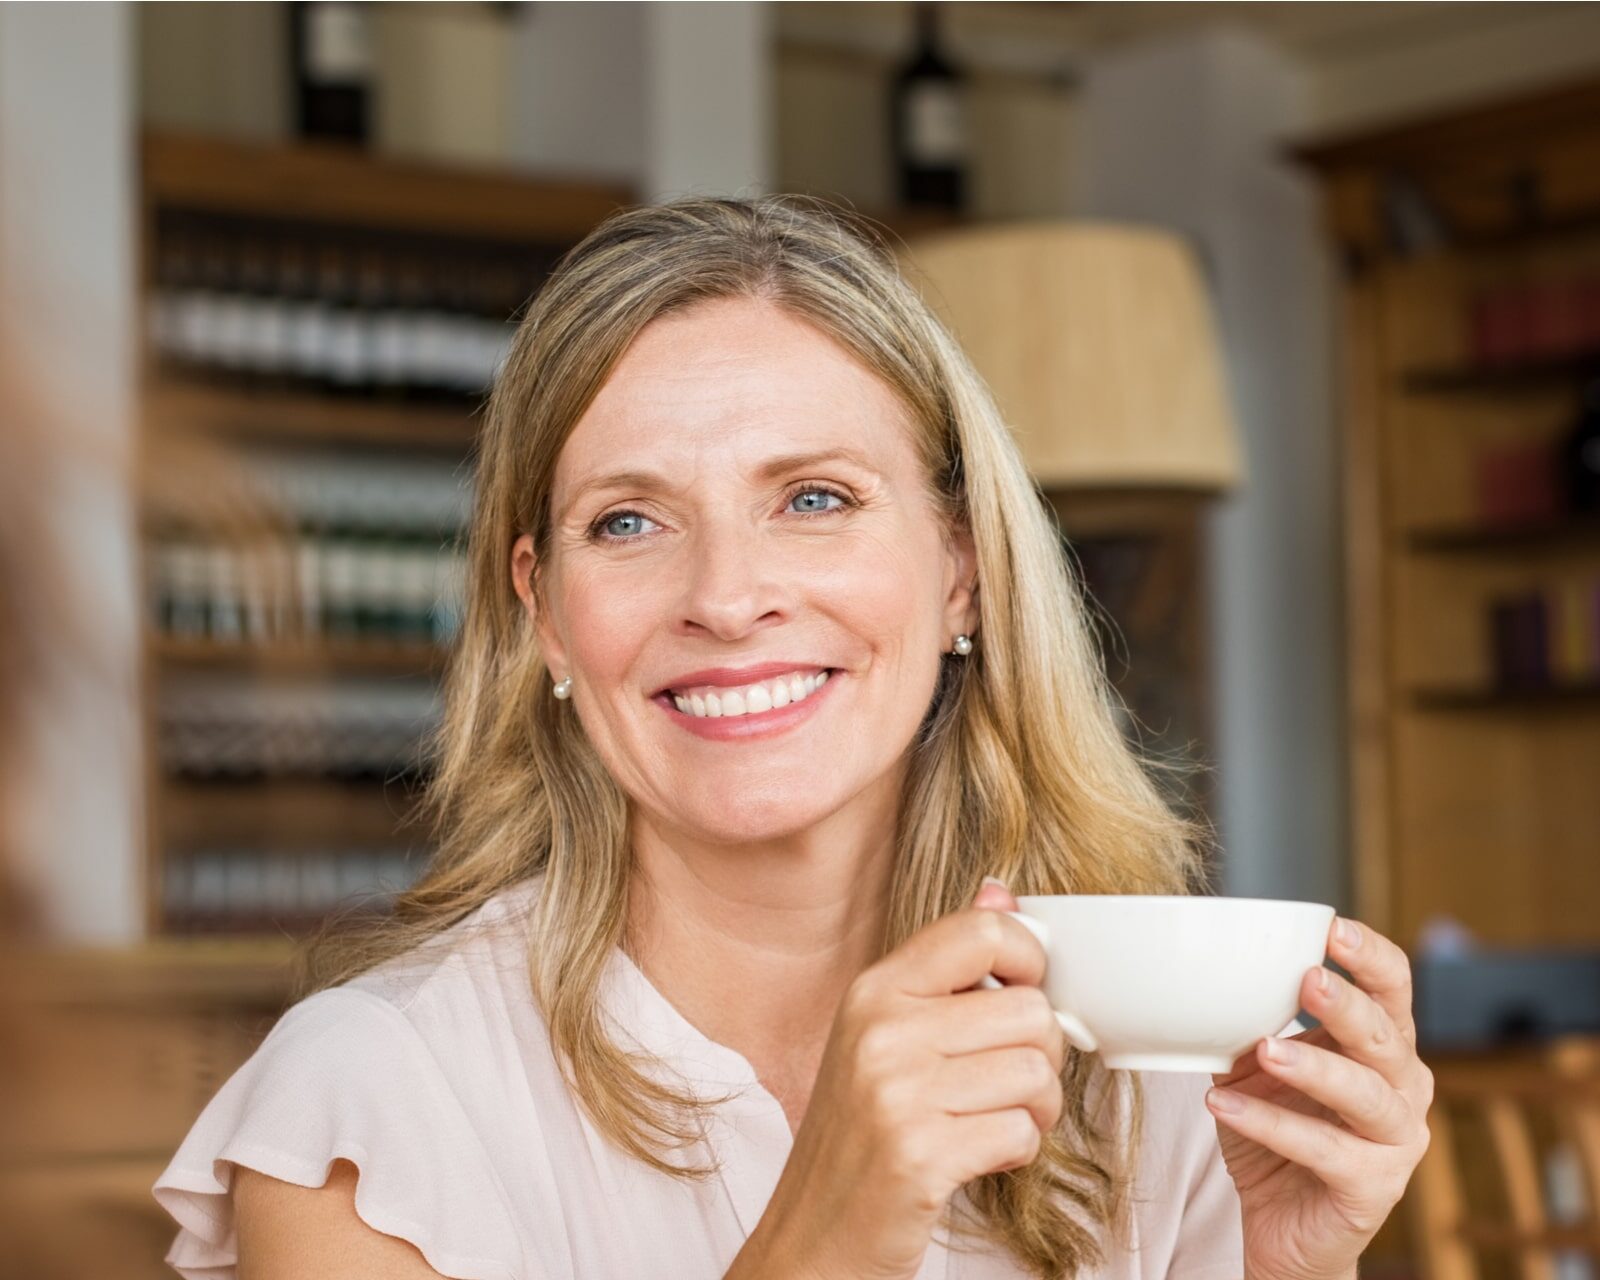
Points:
(524, 568)
(961, 597)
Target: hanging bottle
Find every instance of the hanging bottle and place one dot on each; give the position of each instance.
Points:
(331, 44)
(929, 131)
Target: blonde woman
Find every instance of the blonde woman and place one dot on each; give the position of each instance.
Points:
(770, 658)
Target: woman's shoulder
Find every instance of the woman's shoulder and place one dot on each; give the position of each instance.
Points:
(417, 1072)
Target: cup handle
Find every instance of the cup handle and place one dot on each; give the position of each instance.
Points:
(1075, 1031)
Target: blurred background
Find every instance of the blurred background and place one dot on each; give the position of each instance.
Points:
(1294, 308)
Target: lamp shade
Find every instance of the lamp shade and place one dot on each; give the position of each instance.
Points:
(1098, 344)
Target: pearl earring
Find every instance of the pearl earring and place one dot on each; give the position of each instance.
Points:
(963, 645)
(563, 688)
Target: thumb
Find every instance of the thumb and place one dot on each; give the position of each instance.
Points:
(993, 893)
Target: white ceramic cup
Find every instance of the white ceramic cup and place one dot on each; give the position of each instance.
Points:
(1171, 983)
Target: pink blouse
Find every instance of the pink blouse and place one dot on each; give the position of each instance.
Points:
(434, 1074)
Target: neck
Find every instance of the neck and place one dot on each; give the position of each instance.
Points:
(755, 943)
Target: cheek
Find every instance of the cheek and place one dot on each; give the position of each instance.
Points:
(888, 585)
(608, 620)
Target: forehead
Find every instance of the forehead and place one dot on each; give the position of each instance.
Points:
(736, 378)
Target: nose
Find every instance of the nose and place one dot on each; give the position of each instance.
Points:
(732, 587)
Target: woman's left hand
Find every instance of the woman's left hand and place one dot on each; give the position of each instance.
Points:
(1321, 1131)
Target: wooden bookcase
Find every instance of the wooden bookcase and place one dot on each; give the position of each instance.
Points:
(1472, 801)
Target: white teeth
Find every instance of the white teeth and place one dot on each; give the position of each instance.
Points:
(750, 699)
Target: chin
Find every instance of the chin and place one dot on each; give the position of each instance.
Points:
(754, 819)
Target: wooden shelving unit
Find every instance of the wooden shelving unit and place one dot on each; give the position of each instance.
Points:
(1572, 531)
(212, 409)
(1511, 378)
(350, 199)
(328, 656)
(1470, 802)
(1561, 696)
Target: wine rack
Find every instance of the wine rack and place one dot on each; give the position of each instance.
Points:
(321, 328)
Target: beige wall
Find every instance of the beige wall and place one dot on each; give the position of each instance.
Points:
(832, 119)
(443, 75)
(213, 68)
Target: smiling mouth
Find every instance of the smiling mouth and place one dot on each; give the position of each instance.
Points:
(725, 701)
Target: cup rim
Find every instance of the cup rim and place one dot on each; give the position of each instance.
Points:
(1173, 897)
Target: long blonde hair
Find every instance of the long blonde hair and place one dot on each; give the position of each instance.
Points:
(1019, 769)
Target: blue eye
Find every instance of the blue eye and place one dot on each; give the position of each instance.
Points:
(810, 508)
(621, 526)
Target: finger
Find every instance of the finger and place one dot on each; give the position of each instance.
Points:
(1378, 967)
(972, 1021)
(998, 1079)
(1372, 1107)
(993, 893)
(1314, 1144)
(1360, 1026)
(987, 1143)
(958, 949)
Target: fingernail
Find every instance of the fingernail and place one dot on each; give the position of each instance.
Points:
(1348, 935)
(993, 881)
(1223, 1100)
(1325, 987)
(1283, 1052)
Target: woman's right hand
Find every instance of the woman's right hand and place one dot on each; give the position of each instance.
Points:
(924, 1085)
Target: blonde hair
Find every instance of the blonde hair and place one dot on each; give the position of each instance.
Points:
(1019, 769)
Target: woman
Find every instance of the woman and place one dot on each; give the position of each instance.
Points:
(770, 656)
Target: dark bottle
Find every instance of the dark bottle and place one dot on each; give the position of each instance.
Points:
(1580, 454)
(928, 124)
(331, 43)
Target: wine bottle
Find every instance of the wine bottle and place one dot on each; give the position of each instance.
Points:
(331, 43)
(929, 129)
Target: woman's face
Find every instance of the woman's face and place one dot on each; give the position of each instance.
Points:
(739, 512)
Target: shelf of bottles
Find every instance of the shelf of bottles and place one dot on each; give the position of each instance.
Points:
(305, 652)
(273, 305)
(298, 643)
(253, 890)
(363, 554)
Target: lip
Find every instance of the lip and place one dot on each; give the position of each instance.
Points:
(756, 724)
(733, 677)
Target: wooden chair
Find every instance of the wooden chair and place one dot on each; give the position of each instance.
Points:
(1514, 1140)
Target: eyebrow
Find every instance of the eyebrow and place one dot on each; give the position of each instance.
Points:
(771, 469)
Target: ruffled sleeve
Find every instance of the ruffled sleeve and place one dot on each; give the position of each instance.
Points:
(344, 1075)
